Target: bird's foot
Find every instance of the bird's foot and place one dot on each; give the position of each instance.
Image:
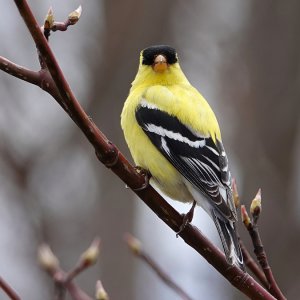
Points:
(147, 176)
(187, 218)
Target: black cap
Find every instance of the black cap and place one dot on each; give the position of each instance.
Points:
(150, 53)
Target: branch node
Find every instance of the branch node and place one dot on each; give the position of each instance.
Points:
(242, 279)
(109, 158)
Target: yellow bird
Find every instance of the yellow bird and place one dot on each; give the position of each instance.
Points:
(172, 132)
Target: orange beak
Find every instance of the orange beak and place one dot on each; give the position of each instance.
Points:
(160, 63)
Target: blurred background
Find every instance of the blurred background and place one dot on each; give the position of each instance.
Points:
(244, 58)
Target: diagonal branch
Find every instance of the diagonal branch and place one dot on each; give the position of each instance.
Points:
(111, 157)
(19, 71)
(8, 290)
(263, 261)
(40, 78)
(136, 248)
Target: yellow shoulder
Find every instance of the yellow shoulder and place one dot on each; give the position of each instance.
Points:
(188, 105)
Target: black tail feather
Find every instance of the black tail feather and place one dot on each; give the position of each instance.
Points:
(229, 239)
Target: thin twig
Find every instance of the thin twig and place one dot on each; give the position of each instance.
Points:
(76, 292)
(111, 157)
(136, 248)
(51, 25)
(259, 250)
(10, 292)
(100, 293)
(61, 285)
(41, 78)
(263, 261)
(87, 259)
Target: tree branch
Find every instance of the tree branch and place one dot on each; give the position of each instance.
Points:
(8, 290)
(40, 78)
(111, 157)
(19, 71)
(263, 261)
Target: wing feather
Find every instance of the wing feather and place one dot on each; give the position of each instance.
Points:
(197, 157)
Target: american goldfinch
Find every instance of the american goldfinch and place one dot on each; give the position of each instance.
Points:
(172, 132)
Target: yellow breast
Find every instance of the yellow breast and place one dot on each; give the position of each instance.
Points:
(144, 153)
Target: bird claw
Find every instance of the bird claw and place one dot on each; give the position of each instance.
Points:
(147, 175)
(187, 218)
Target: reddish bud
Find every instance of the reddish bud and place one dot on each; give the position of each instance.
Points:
(134, 244)
(245, 217)
(235, 194)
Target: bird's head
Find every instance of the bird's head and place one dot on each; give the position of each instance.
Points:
(159, 65)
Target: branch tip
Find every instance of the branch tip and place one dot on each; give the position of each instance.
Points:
(49, 19)
(75, 15)
(100, 291)
(235, 194)
(255, 207)
(133, 243)
(245, 217)
(46, 258)
(90, 256)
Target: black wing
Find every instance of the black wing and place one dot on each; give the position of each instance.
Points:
(202, 162)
